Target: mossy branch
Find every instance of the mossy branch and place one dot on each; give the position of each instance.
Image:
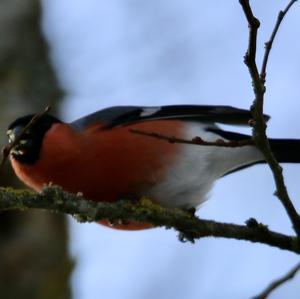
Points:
(189, 227)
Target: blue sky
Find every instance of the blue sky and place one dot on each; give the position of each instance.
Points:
(165, 52)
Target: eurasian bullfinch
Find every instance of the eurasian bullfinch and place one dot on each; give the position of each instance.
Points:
(99, 155)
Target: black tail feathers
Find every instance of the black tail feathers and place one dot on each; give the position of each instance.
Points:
(286, 150)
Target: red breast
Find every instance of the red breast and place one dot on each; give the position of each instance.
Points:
(105, 165)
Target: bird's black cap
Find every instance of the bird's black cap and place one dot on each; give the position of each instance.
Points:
(27, 150)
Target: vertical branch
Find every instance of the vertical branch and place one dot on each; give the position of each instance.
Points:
(259, 127)
(269, 43)
(250, 56)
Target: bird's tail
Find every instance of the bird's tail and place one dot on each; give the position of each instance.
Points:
(286, 150)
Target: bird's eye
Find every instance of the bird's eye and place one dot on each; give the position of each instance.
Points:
(10, 135)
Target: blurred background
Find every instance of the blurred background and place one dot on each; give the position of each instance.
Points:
(82, 56)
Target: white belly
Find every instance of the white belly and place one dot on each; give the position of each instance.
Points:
(188, 183)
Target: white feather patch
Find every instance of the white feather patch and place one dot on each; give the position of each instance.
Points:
(188, 183)
(149, 111)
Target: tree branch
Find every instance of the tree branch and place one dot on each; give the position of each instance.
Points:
(269, 43)
(190, 227)
(250, 56)
(279, 282)
(195, 141)
(259, 126)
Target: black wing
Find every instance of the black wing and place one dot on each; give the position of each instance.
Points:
(125, 115)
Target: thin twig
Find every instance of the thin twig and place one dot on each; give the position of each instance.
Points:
(195, 141)
(277, 283)
(190, 227)
(6, 150)
(269, 43)
(259, 128)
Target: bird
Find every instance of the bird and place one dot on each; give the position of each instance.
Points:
(101, 156)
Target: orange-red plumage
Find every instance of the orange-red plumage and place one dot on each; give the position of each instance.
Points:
(105, 165)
